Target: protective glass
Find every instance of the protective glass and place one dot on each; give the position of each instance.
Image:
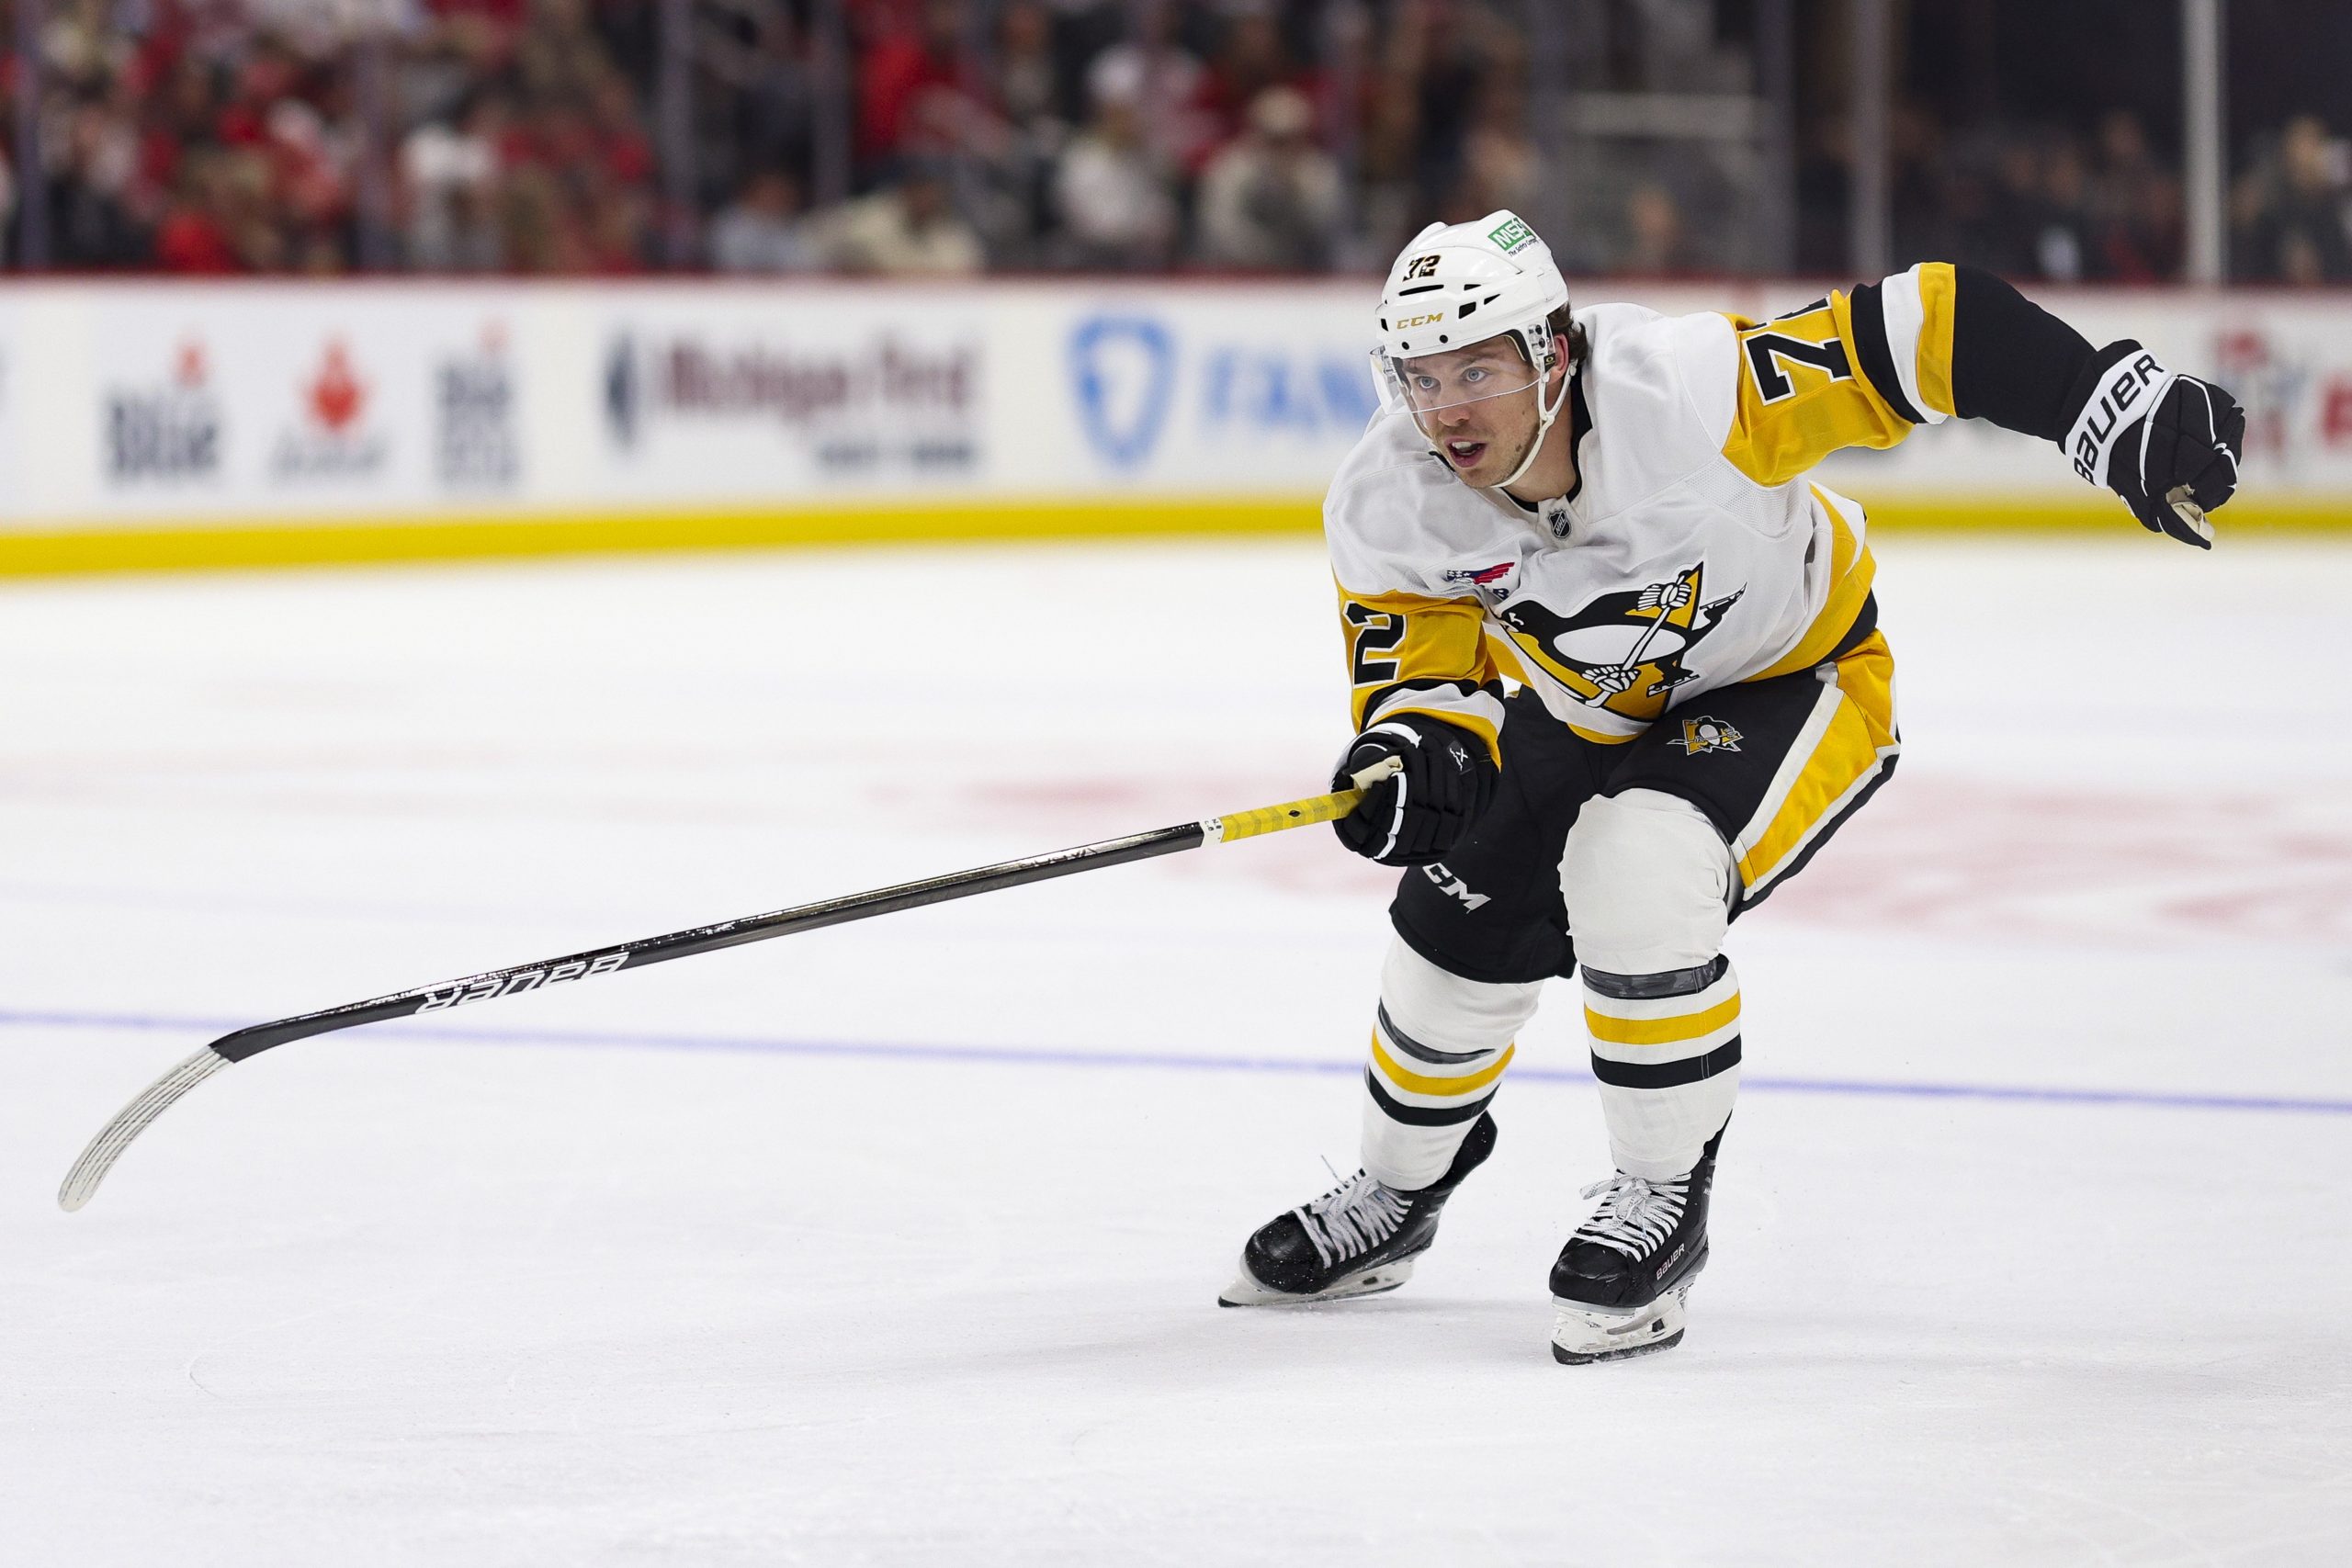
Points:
(1427, 384)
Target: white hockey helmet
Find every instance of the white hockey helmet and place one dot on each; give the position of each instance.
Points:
(1461, 284)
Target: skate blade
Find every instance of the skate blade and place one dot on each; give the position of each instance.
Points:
(1245, 1292)
(1582, 1335)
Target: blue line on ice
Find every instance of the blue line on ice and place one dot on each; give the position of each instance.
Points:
(1047, 1056)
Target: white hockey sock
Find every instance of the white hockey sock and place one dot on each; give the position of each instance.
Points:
(1668, 1064)
(1438, 1045)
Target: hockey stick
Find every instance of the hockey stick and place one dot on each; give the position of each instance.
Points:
(83, 1181)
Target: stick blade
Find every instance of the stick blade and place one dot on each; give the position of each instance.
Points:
(82, 1181)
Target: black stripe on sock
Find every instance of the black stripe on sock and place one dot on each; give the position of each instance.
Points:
(1650, 987)
(1668, 1075)
(1422, 1116)
(1877, 354)
(1414, 1048)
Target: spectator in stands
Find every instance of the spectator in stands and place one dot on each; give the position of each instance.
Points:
(2291, 209)
(1997, 210)
(90, 222)
(1114, 192)
(1270, 200)
(1164, 85)
(1009, 134)
(617, 232)
(908, 228)
(624, 147)
(761, 231)
(905, 52)
(1501, 166)
(1251, 61)
(1657, 243)
(1023, 71)
(448, 176)
(2062, 245)
(2136, 207)
(192, 239)
(206, 136)
(1388, 126)
(777, 106)
(533, 218)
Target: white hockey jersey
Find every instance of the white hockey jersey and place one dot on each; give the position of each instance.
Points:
(1693, 553)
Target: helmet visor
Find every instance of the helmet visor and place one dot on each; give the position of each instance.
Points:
(1430, 383)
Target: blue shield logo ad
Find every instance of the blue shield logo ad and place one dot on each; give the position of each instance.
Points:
(1122, 370)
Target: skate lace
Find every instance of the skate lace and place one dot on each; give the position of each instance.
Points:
(1634, 1215)
(1353, 1217)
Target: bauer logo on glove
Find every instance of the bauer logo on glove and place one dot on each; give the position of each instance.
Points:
(2166, 442)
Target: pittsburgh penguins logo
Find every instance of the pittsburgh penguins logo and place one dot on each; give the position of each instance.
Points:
(1702, 735)
(1622, 651)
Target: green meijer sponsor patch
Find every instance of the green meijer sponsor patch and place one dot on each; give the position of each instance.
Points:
(1511, 235)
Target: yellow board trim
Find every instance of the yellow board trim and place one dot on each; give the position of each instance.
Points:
(459, 537)
(2092, 512)
(50, 550)
(1661, 1031)
(1421, 1083)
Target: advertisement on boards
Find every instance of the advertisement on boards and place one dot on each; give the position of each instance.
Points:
(255, 401)
(748, 397)
(1205, 390)
(292, 403)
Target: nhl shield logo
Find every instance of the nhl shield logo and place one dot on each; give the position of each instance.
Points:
(1700, 736)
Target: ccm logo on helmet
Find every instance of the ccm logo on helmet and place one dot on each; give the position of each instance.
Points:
(1419, 320)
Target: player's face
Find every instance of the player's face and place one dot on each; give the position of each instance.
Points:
(1477, 405)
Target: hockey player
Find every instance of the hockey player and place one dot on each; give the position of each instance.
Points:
(1615, 510)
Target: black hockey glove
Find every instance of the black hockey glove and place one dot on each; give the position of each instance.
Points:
(1414, 817)
(2167, 443)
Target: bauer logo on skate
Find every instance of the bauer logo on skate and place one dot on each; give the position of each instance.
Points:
(490, 985)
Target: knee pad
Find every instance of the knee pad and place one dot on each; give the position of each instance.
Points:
(1446, 1013)
(1649, 883)
(1445, 1042)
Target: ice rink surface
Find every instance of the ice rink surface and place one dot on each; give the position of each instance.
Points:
(899, 1243)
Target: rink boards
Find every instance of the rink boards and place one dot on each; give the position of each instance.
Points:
(147, 424)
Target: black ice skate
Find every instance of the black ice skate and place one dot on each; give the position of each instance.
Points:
(1358, 1239)
(1619, 1286)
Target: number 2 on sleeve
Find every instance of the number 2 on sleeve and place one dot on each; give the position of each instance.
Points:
(1377, 631)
